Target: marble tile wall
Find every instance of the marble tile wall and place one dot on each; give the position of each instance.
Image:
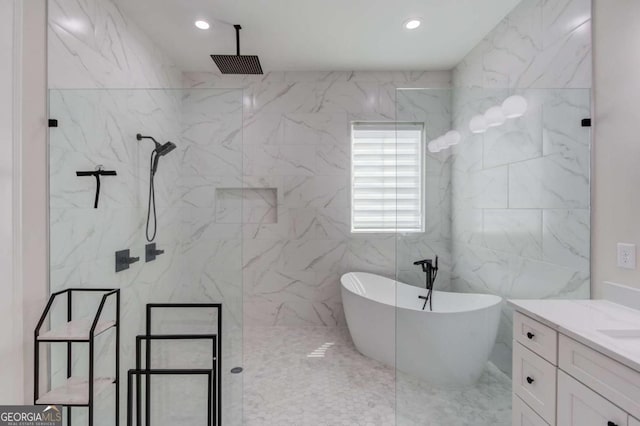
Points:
(296, 141)
(93, 44)
(521, 192)
(540, 44)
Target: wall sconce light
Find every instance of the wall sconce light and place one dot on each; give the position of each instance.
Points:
(495, 117)
(478, 124)
(514, 106)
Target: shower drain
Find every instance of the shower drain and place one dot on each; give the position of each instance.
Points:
(236, 370)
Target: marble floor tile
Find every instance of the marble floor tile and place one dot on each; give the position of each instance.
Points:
(303, 376)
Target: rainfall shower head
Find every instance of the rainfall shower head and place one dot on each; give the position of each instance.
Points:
(238, 64)
(161, 151)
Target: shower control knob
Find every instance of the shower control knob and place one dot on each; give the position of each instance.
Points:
(151, 252)
(530, 380)
(124, 259)
(530, 335)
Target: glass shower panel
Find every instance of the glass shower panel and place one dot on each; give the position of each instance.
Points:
(507, 212)
(202, 259)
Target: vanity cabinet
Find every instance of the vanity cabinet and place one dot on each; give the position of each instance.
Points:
(580, 406)
(559, 381)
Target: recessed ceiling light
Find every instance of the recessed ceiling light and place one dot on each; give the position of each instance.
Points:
(412, 24)
(203, 25)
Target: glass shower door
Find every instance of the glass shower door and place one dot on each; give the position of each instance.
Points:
(507, 213)
(202, 251)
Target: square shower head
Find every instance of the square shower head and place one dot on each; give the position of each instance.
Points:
(238, 64)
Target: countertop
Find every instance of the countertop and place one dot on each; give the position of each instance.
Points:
(585, 321)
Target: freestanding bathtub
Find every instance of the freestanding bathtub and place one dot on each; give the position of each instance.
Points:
(448, 347)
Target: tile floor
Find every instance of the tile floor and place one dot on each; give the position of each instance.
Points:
(314, 376)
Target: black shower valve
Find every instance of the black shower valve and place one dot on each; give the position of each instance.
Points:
(150, 252)
(124, 259)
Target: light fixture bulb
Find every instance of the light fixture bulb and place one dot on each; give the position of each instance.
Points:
(478, 124)
(514, 106)
(433, 147)
(495, 117)
(453, 137)
(412, 24)
(442, 143)
(203, 25)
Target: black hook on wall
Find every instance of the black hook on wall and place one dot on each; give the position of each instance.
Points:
(97, 173)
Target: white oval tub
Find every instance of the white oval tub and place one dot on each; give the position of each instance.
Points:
(448, 347)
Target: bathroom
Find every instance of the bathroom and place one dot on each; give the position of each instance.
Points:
(386, 213)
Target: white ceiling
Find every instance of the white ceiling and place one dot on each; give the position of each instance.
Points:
(320, 35)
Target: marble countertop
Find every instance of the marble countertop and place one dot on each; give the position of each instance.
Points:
(593, 323)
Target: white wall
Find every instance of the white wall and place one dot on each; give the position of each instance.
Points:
(616, 168)
(23, 188)
(10, 306)
(33, 163)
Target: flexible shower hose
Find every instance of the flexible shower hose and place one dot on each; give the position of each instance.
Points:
(152, 201)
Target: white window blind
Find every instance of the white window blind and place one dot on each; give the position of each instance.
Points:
(387, 177)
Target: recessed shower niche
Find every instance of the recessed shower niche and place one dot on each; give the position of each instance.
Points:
(247, 205)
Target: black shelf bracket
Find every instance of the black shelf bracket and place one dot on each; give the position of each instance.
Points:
(97, 173)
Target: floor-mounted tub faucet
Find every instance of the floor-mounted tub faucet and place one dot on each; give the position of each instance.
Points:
(430, 268)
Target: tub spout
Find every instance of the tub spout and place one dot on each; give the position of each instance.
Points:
(430, 268)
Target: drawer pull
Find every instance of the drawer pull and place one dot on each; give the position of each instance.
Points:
(530, 380)
(530, 335)
(611, 424)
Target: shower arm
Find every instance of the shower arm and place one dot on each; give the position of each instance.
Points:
(141, 137)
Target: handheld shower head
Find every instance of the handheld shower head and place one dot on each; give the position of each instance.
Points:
(161, 151)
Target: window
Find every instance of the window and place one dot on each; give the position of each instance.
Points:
(387, 177)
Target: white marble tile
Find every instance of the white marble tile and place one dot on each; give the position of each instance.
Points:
(563, 111)
(479, 270)
(489, 188)
(93, 44)
(343, 387)
(540, 43)
(516, 140)
(563, 17)
(514, 44)
(514, 231)
(550, 182)
(566, 237)
(531, 279)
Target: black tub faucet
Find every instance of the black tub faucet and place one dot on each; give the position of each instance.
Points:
(430, 268)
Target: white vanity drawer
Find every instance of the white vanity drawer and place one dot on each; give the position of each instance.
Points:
(609, 378)
(580, 406)
(536, 336)
(534, 380)
(523, 415)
